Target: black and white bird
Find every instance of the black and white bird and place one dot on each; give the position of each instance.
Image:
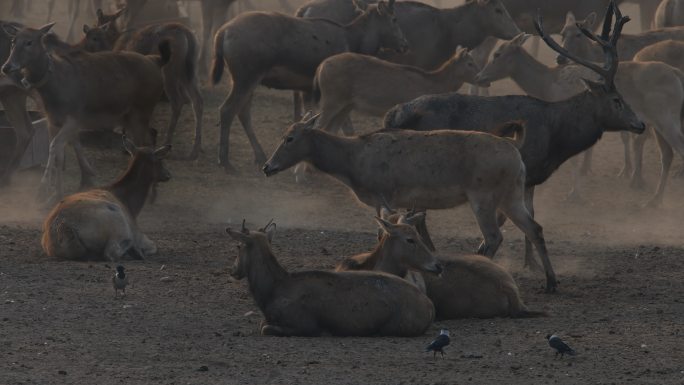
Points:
(561, 347)
(439, 343)
(119, 281)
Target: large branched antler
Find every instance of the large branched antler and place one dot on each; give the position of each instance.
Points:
(607, 42)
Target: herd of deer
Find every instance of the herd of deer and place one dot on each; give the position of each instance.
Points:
(438, 149)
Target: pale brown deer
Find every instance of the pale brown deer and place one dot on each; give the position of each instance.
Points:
(310, 303)
(239, 46)
(670, 13)
(100, 223)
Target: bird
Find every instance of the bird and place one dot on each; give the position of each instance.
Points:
(560, 346)
(439, 343)
(119, 281)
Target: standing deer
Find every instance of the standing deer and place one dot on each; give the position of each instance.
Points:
(350, 81)
(310, 303)
(661, 107)
(556, 131)
(181, 83)
(433, 170)
(295, 49)
(81, 90)
(99, 224)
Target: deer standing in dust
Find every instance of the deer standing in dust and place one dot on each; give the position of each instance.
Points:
(350, 81)
(181, 82)
(660, 107)
(295, 47)
(99, 224)
(310, 303)
(431, 170)
(556, 131)
(83, 90)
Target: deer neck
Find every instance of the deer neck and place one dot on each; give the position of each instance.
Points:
(534, 77)
(132, 187)
(386, 262)
(464, 25)
(263, 273)
(332, 154)
(580, 125)
(359, 40)
(39, 74)
(448, 77)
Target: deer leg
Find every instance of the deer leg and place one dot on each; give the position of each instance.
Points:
(485, 214)
(627, 167)
(51, 189)
(574, 194)
(586, 162)
(87, 171)
(245, 117)
(666, 155)
(176, 100)
(207, 29)
(530, 262)
(638, 142)
(239, 96)
(195, 96)
(515, 209)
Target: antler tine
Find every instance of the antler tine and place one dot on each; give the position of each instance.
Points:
(608, 21)
(386, 204)
(268, 224)
(244, 229)
(538, 24)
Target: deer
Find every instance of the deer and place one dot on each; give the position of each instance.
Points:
(181, 82)
(70, 88)
(670, 13)
(349, 81)
(294, 58)
(310, 303)
(13, 99)
(99, 224)
(670, 52)
(556, 131)
(661, 107)
(431, 170)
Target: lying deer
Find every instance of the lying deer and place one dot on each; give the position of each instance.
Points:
(556, 131)
(100, 223)
(434, 170)
(71, 87)
(654, 89)
(180, 74)
(351, 81)
(238, 45)
(310, 303)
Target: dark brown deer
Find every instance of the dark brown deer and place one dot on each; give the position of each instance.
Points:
(310, 303)
(556, 131)
(84, 90)
(100, 224)
(239, 46)
(181, 83)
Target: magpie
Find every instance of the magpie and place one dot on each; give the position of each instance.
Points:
(439, 343)
(119, 281)
(560, 346)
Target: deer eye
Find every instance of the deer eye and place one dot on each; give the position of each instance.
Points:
(578, 34)
(496, 55)
(289, 139)
(499, 11)
(410, 240)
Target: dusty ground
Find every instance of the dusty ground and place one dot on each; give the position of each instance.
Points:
(619, 304)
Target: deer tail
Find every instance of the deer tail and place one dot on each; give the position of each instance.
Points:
(219, 61)
(513, 130)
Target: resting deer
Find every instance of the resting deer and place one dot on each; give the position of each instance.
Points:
(181, 83)
(100, 223)
(555, 131)
(237, 46)
(661, 107)
(79, 90)
(434, 170)
(350, 81)
(310, 303)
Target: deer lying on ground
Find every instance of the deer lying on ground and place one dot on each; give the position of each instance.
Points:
(670, 13)
(654, 89)
(433, 170)
(78, 90)
(556, 131)
(237, 45)
(310, 303)
(99, 224)
(180, 74)
(470, 286)
(13, 100)
(351, 81)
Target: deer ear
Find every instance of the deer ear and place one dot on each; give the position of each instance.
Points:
(238, 236)
(570, 18)
(162, 151)
(10, 29)
(310, 119)
(99, 14)
(385, 213)
(589, 22)
(120, 12)
(106, 26)
(129, 146)
(384, 225)
(270, 232)
(46, 28)
(86, 28)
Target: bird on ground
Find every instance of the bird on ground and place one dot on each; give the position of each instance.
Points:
(561, 347)
(119, 281)
(439, 343)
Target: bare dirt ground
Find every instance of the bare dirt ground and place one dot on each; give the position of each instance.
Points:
(620, 301)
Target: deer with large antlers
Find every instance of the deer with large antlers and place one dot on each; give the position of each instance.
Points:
(556, 131)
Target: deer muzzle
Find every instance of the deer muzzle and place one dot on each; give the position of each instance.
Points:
(270, 169)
